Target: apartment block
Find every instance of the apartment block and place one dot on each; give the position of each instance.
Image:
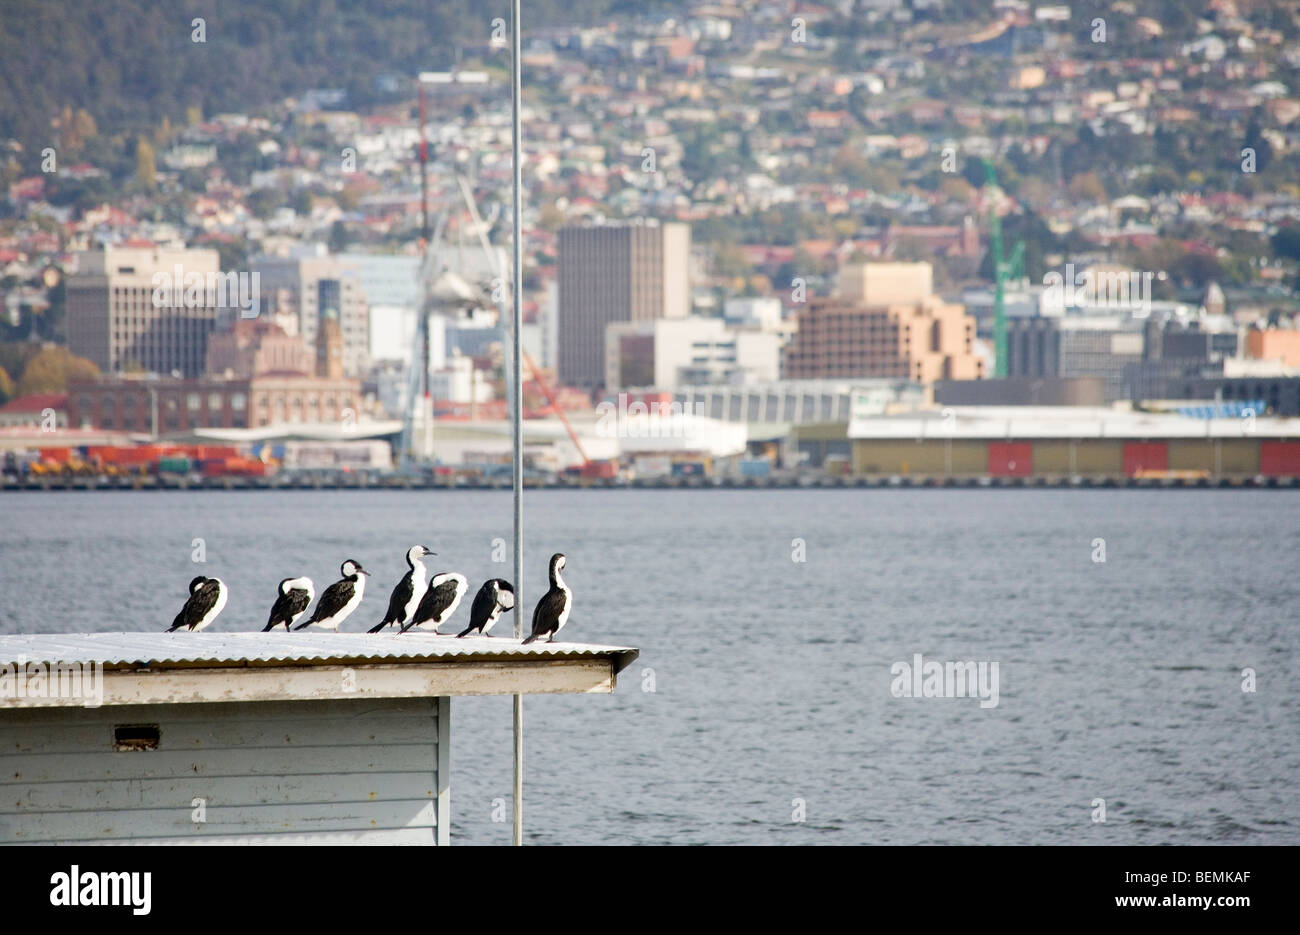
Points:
(884, 323)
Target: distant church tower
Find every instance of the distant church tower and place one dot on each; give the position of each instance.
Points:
(1214, 302)
(329, 336)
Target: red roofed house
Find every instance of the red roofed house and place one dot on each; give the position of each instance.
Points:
(31, 410)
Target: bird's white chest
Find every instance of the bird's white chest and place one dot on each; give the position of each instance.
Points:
(358, 590)
(493, 617)
(568, 606)
(419, 584)
(437, 619)
(217, 608)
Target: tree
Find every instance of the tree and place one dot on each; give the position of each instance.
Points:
(730, 261)
(146, 169)
(956, 188)
(1087, 187)
(7, 388)
(1286, 242)
(551, 217)
(51, 369)
(14, 355)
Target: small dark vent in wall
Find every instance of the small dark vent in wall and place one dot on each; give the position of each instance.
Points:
(136, 737)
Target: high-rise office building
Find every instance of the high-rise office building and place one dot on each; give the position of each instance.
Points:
(145, 308)
(291, 285)
(611, 273)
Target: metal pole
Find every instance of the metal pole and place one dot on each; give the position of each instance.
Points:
(517, 412)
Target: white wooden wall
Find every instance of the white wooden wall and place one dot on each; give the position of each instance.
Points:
(302, 772)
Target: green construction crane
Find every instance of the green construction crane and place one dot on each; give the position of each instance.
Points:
(1004, 268)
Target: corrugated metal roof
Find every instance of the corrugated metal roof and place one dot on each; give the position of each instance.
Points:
(189, 650)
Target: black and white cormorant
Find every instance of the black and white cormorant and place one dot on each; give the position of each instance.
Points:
(552, 611)
(294, 597)
(409, 591)
(207, 599)
(439, 602)
(494, 598)
(340, 598)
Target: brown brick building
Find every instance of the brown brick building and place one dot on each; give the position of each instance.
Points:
(128, 404)
(253, 347)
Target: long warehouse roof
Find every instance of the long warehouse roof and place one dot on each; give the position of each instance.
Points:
(998, 422)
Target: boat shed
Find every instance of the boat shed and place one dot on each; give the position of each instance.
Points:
(251, 738)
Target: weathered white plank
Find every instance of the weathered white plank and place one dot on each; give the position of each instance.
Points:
(342, 709)
(218, 792)
(249, 761)
(256, 819)
(227, 733)
(387, 837)
(321, 682)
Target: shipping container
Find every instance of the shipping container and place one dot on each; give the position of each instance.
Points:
(1011, 459)
(174, 464)
(232, 467)
(928, 458)
(1140, 457)
(1054, 457)
(600, 470)
(1192, 454)
(1279, 459)
(688, 469)
(653, 466)
(755, 467)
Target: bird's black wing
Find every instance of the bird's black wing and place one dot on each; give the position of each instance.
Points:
(179, 620)
(546, 614)
(334, 599)
(397, 603)
(435, 601)
(200, 602)
(299, 598)
(282, 610)
(481, 609)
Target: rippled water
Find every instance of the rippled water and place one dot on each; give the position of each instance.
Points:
(1118, 680)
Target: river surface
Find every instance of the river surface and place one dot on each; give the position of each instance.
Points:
(762, 709)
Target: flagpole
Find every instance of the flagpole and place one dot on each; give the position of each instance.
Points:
(517, 411)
